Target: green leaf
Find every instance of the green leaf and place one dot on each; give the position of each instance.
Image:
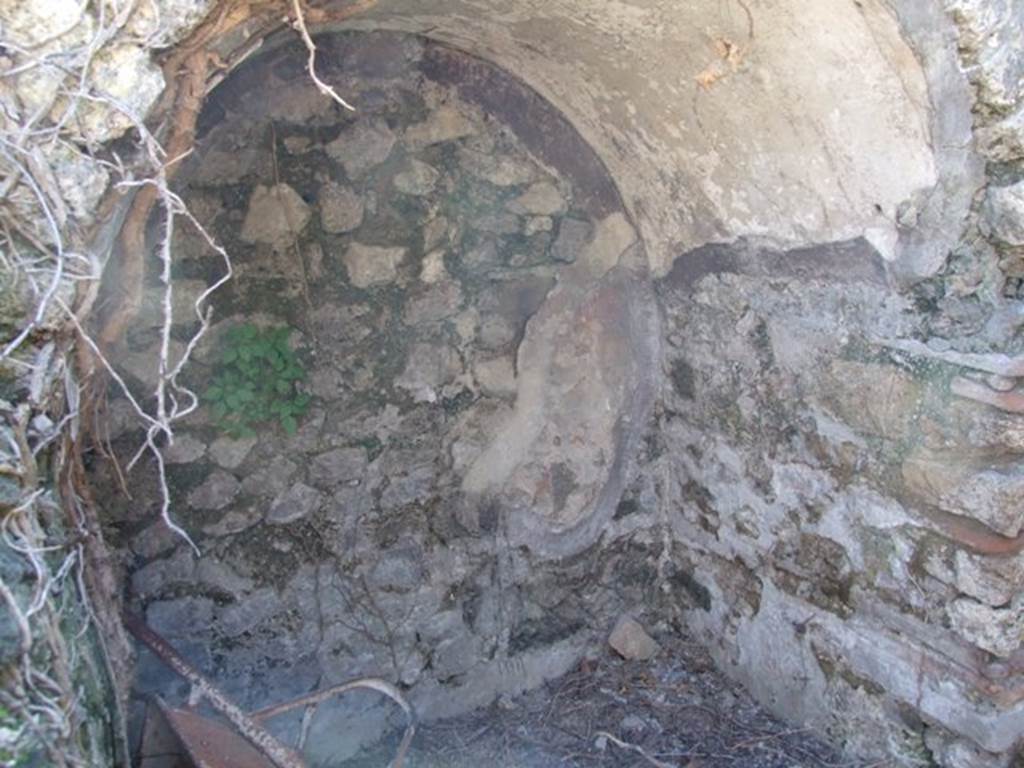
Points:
(256, 381)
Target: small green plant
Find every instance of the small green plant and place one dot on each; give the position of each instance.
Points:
(257, 382)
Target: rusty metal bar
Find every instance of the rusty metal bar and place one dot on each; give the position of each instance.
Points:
(276, 752)
(372, 683)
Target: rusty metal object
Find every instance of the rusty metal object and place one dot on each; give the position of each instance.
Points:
(278, 754)
(209, 744)
(171, 734)
(313, 700)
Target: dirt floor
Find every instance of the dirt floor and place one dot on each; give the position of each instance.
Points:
(676, 711)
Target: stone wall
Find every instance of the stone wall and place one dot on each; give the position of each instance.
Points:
(715, 120)
(844, 531)
(845, 471)
(778, 374)
(836, 501)
(445, 275)
(821, 485)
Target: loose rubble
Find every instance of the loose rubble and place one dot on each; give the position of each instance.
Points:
(631, 641)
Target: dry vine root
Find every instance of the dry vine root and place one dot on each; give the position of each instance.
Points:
(189, 73)
(58, 580)
(55, 577)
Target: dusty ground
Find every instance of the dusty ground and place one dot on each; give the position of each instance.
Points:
(677, 709)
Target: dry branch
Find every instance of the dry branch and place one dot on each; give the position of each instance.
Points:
(190, 92)
(632, 748)
(65, 554)
(324, 88)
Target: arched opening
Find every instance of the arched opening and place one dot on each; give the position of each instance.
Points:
(421, 391)
(589, 313)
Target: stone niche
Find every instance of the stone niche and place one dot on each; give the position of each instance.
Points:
(471, 304)
(609, 340)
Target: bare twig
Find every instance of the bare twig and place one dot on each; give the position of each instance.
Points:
(292, 228)
(324, 88)
(58, 269)
(70, 581)
(632, 748)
